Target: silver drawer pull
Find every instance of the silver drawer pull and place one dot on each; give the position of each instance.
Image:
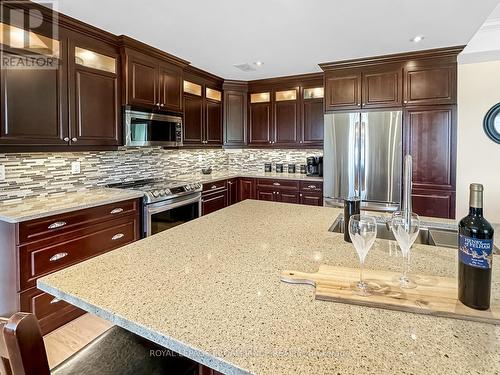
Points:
(312, 186)
(57, 224)
(117, 236)
(55, 300)
(214, 187)
(276, 184)
(116, 210)
(58, 256)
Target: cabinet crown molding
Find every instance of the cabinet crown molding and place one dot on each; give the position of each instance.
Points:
(450, 52)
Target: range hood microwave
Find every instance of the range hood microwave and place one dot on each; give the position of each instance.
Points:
(144, 128)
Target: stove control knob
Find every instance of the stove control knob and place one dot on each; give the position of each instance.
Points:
(156, 193)
(188, 187)
(198, 186)
(167, 191)
(162, 192)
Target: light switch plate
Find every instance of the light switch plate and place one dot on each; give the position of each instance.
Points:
(75, 167)
(2, 172)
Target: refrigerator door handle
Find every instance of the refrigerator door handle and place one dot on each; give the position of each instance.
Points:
(357, 188)
(362, 156)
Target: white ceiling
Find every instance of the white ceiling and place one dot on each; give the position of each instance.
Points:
(289, 36)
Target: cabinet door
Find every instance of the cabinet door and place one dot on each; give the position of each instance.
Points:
(286, 122)
(312, 122)
(94, 93)
(235, 118)
(431, 140)
(232, 191)
(170, 87)
(260, 124)
(434, 203)
(213, 202)
(382, 88)
(193, 119)
(311, 199)
(142, 76)
(213, 122)
(266, 195)
(34, 104)
(430, 84)
(342, 90)
(246, 189)
(287, 197)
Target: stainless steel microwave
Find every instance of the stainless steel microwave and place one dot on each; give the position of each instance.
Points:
(152, 129)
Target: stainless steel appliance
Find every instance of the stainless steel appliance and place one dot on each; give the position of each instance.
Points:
(363, 157)
(142, 128)
(166, 203)
(314, 166)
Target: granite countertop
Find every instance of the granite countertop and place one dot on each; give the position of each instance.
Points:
(217, 176)
(24, 209)
(210, 289)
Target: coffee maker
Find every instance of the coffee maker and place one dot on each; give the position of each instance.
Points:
(314, 166)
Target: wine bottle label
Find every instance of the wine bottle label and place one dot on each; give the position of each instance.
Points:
(475, 252)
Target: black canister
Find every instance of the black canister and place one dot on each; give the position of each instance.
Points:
(279, 168)
(352, 206)
(303, 168)
(267, 167)
(291, 168)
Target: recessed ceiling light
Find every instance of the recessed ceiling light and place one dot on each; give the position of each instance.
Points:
(417, 39)
(259, 63)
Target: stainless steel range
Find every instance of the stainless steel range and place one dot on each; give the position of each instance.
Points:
(166, 203)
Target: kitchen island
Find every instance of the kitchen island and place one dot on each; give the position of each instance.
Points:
(210, 289)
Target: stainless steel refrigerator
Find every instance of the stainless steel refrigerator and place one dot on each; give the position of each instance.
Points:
(363, 157)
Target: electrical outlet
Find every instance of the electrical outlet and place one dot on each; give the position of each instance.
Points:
(2, 172)
(252, 157)
(75, 167)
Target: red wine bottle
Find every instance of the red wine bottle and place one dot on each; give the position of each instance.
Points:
(475, 254)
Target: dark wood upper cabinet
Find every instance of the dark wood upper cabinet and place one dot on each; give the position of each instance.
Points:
(260, 126)
(286, 122)
(343, 90)
(213, 119)
(382, 88)
(431, 140)
(193, 119)
(94, 93)
(235, 113)
(142, 81)
(312, 124)
(430, 83)
(170, 87)
(202, 108)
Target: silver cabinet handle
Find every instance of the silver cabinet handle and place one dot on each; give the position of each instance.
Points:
(74, 139)
(57, 224)
(270, 141)
(311, 186)
(359, 104)
(300, 194)
(116, 210)
(214, 187)
(162, 105)
(406, 102)
(117, 236)
(66, 139)
(276, 184)
(55, 300)
(158, 104)
(56, 257)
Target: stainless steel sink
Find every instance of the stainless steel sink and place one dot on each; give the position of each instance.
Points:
(432, 234)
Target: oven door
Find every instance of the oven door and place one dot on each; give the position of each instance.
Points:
(152, 129)
(165, 215)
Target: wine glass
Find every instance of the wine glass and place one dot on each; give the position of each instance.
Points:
(405, 227)
(363, 231)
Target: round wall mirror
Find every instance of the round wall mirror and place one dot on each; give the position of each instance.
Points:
(492, 123)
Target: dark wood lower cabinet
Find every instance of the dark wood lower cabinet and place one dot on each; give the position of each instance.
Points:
(204, 370)
(266, 195)
(246, 189)
(434, 203)
(288, 197)
(311, 199)
(232, 191)
(213, 202)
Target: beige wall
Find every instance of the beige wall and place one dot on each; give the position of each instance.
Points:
(478, 158)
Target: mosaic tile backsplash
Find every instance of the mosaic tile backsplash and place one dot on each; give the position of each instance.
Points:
(43, 174)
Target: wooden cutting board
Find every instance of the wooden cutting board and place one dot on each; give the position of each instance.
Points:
(433, 295)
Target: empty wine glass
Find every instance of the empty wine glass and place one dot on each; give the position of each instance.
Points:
(363, 231)
(405, 227)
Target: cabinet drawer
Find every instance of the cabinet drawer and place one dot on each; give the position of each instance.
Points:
(41, 258)
(59, 224)
(50, 312)
(216, 185)
(312, 186)
(213, 202)
(278, 184)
